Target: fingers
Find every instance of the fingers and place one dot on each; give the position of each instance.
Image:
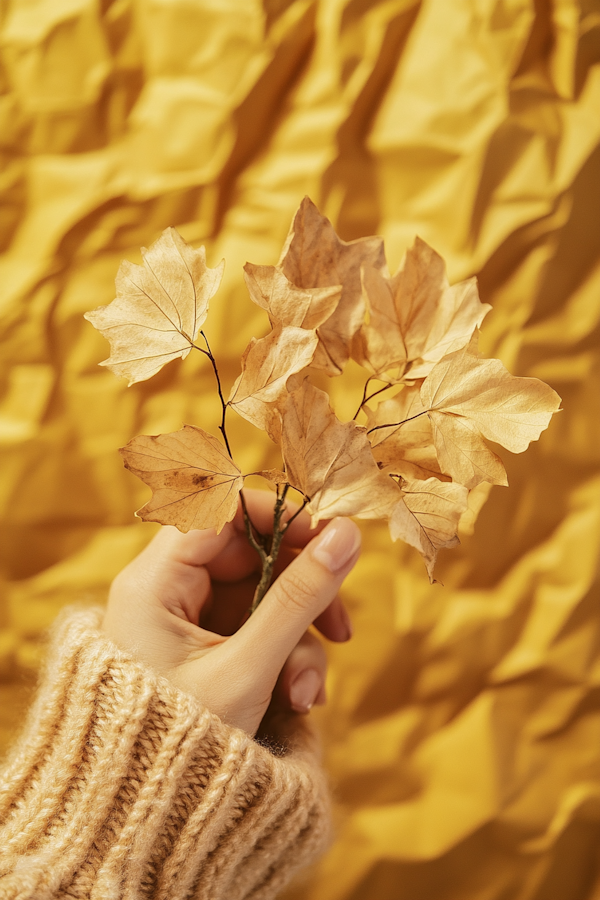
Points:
(194, 548)
(301, 684)
(170, 572)
(233, 598)
(177, 565)
(236, 560)
(299, 596)
(229, 556)
(260, 508)
(334, 623)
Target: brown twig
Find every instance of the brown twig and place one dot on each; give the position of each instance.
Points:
(397, 424)
(297, 513)
(366, 399)
(248, 523)
(267, 546)
(269, 557)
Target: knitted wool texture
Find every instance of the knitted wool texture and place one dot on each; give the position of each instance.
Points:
(122, 786)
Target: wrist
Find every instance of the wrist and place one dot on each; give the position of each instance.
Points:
(125, 775)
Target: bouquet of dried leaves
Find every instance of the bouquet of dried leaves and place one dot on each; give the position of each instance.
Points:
(429, 403)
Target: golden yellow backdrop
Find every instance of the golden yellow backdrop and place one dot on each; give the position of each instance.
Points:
(463, 730)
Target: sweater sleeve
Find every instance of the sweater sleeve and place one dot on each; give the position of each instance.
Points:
(122, 786)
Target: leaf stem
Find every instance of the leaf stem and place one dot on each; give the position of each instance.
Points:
(257, 542)
(296, 514)
(249, 525)
(366, 399)
(397, 424)
(213, 361)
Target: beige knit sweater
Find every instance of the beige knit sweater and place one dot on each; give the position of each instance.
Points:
(124, 787)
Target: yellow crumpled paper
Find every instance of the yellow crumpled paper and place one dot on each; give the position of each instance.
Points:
(463, 729)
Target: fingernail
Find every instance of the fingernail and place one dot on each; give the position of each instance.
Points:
(304, 690)
(337, 544)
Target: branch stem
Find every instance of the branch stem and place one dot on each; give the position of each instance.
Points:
(267, 546)
(250, 527)
(269, 557)
(397, 424)
(213, 361)
(257, 542)
(297, 513)
(366, 399)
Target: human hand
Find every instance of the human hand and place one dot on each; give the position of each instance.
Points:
(179, 608)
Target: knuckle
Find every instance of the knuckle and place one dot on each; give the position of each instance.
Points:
(294, 593)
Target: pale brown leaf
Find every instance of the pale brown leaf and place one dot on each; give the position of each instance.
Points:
(427, 517)
(287, 304)
(314, 257)
(463, 453)
(274, 476)
(266, 366)
(416, 318)
(331, 462)
(491, 403)
(401, 436)
(159, 308)
(380, 344)
(194, 482)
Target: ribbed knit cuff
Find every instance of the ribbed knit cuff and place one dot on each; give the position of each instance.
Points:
(124, 787)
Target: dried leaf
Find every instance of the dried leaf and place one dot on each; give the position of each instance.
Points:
(314, 257)
(427, 517)
(195, 483)
(492, 404)
(405, 449)
(266, 366)
(159, 308)
(287, 304)
(331, 462)
(381, 341)
(274, 476)
(463, 453)
(416, 318)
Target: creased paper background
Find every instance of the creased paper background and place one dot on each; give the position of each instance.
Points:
(463, 730)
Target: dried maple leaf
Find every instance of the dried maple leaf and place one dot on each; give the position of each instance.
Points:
(468, 398)
(427, 517)
(266, 366)
(416, 318)
(315, 257)
(463, 454)
(159, 308)
(195, 483)
(331, 462)
(405, 449)
(273, 476)
(287, 304)
(380, 344)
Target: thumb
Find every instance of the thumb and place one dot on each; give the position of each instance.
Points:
(300, 594)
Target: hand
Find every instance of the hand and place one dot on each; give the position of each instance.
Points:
(179, 607)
